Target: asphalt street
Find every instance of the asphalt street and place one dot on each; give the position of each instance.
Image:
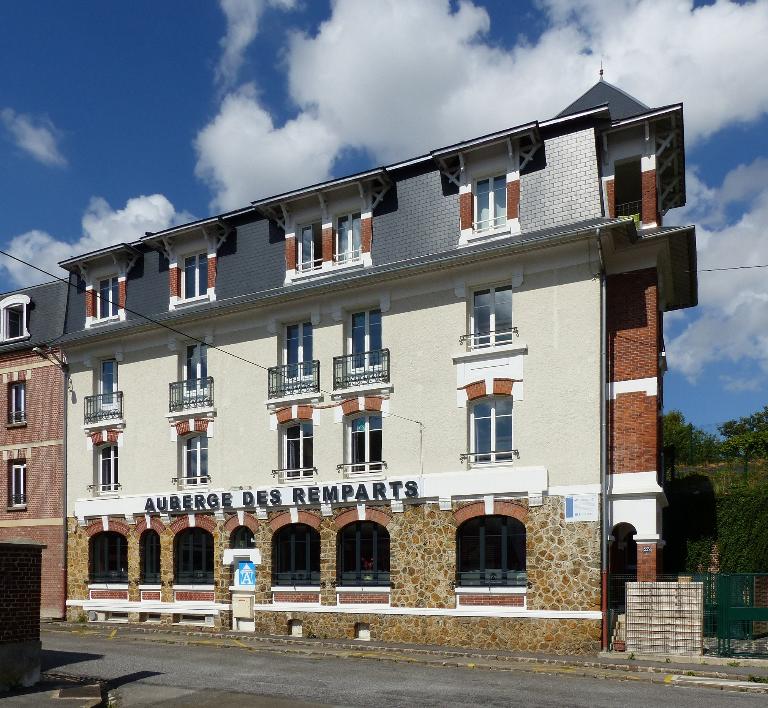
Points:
(145, 673)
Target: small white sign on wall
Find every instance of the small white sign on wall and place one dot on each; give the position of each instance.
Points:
(581, 507)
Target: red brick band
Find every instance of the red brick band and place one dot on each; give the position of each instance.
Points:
(193, 596)
(233, 522)
(202, 521)
(501, 508)
(350, 516)
(363, 598)
(296, 597)
(116, 526)
(352, 405)
(150, 595)
(494, 600)
(154, 524)
(284, 518)
(109, 594)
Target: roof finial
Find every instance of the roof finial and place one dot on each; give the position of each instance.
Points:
(601, 70)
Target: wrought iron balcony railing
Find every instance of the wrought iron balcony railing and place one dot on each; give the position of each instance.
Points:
(361, 469)
(192, 393)
(294, 474)
(17, 417)
(293, 379)
(191, 481)
(490, 456)
(360, 369)
(17, 500)
(489, 338)
(104, 406)
(492, 578)
(105, 488)
(629, 210)
(363, 577)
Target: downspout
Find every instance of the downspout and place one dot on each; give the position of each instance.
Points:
(603, 451)
(65, 383)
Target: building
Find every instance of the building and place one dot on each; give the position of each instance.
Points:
(393, 405)
(32, 433)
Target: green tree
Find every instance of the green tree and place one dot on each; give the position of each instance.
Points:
(746, 438)
(690, 445)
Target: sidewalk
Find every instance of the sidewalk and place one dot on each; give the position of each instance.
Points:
(668, 669)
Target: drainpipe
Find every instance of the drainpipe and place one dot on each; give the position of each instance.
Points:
(65, 384)
(603, 451)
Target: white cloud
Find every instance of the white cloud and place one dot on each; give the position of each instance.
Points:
(731, 323)
(398, 78)
(36, 136)
(243, 18)
(102, 226)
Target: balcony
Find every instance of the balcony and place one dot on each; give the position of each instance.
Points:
(103, 407)
(293, 379)
(630, 210)
(488, 338)
(286, 476)
(192, 481)
(361, 369)
(489, 457)
(190, 395)
(105, 488)
(17, 417)
(352, 470)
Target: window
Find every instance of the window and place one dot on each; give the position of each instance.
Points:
(491, 551)
(195, 276)
(109, 298)
(297, 459)
(366, 340)
(347, 247)
(196, 366)
(196, 460)
(628, 190)
(492, 430)
(17, 487)
(490, 203)
(310, 256)
(363, 554)
(298, 350)
(13, 317)
(17, 408)
(365, 444)
(109, 400)
(296, 555)
(149, 553)
(491, 317)
(108, 477)
(109, 558)
(193, 555)
(242, 537)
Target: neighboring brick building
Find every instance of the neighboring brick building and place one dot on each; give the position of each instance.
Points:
(458, 428)
(32, 430)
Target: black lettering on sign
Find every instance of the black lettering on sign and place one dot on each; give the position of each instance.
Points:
(396, 488)
(161, 503)
(186, 502)
(247, 498)
(275, 498)
(362, 493)
(380, 491)
(213, 501)
(330, 494)
(314, 495)
(347, 490)
(261, 497)
(226, 499)
(175, 504)
(150, 505)
(199, 501)
(411, 489)
(298, 496)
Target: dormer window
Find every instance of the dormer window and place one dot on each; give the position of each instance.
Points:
(109, 298)
(310, 256)
(195, 276)
(13, 318)
(490, 203)
(348, 244)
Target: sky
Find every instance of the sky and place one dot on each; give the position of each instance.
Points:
(121, 118)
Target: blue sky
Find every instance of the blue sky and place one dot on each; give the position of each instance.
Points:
(117, 118)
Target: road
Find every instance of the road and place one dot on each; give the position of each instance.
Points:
(146, 673)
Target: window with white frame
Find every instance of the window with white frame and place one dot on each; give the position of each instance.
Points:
(365, 444)
(195, 460)
(109, 298)
(13, 317)
(490, 203)
(310, 247)
(196, 365)
(297, 353)
(17, 487)
(347, 248)
(491, 321)
(17, 403)
(297, 451)
(491, 430)
(109, 398)
(365, 339)
(108, 469)
(195, 276)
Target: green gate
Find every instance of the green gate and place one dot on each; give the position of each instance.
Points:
(742, 614)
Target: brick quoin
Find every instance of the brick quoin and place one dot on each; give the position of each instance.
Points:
(650, 213)
(647, 563)
(284, 518)
(284, 415)
(193, 596)
(112, 436)
(633, 321)
(328, 244)
(610, 195)
(97, 438)
(363, 598)
(633, 433)
(475, 509)
(465, 210)
(182, 427)
(304, 412)
(90, 303)
(493, 600)
(290, 253)
(474, 390)
(366, 235)
(201, 425)
(296, 597)
(513, 199)
(212, 268)
(20, 581)
(350, 405)
(233, 522)
(503, 387)
(372, 403)
(121, 294)
(174, 281)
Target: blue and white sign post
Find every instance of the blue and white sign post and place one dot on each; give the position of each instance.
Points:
(246, 574)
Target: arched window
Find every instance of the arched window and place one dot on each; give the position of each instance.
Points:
(491, 551)
(193, 554)
(109, 558)
(242, 537)
(296, 556)
(363, 554)
(13, 317)
(149, 555)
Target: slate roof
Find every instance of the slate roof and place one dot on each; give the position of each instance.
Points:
(620, 103)
(46, 314)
